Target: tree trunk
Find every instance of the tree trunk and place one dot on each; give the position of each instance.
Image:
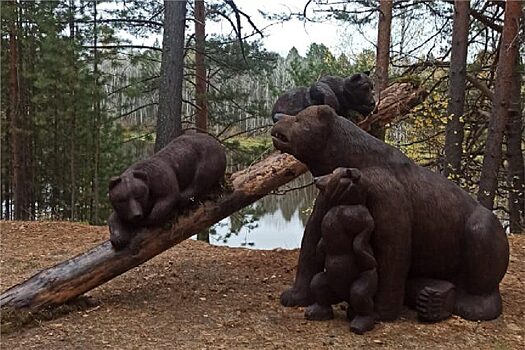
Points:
(84, 272)
(19, 128)
(516, 168)
(201, 119)
(169, 119)
(72, 122)
(96, 125)
(382, 57)
(500, 106)
(456, 89)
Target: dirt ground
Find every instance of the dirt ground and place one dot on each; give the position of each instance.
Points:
(197, 296)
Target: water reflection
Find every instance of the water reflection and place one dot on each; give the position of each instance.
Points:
(275, 221)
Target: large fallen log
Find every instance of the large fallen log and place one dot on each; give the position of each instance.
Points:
(396, 101)
(86, 271)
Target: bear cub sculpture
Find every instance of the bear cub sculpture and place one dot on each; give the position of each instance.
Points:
(149, 191)
(431, 240)
(345, 95)
(350, 269)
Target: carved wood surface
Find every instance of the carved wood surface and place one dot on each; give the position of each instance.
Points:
(86, 271)
(71, 278)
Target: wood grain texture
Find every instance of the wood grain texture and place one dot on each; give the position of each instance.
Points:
(71, 278)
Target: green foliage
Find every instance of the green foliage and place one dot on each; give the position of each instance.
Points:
(319, 61)
(247, 150)
(73, 143)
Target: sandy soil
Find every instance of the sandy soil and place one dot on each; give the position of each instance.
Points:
(197, 296)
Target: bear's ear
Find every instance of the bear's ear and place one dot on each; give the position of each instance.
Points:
(325, 113)
(114, 181)
(141, 175)
(321, 182)
(353, 78)
(366, 72)
(353, 174)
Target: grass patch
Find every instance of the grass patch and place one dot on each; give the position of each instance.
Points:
(245, 150)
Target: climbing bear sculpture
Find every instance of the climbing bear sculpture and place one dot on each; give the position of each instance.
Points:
(350, 269)
(426, 228)
(346, 95)
(148, 192)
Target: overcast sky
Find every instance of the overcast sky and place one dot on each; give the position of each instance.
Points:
(283, 36)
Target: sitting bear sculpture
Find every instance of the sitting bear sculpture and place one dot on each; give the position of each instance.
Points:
(426, 228)
(350, 272)
(148, 192)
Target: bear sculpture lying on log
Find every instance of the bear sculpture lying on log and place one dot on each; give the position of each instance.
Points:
(147, 193)
(350, 269)
(426, 228)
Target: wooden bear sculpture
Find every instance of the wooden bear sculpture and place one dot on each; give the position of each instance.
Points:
(148, 192)
(350, 269)
(426, 228)
(345, 95)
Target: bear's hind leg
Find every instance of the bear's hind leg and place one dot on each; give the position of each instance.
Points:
(485, 262)
(478, 307)
(324, 297)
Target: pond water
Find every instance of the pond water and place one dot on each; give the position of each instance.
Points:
(275, 221)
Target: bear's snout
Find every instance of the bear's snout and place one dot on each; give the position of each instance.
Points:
(135, 214)
(278, 116)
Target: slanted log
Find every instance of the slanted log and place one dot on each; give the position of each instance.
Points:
(71, 278)
(86, 271)
(396, 101)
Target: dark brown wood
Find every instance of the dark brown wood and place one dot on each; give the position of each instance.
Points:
(86, 271)
(397, 100)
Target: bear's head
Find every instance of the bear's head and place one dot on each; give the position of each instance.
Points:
(359, 90)
(341, 187)
(291, 102)
(128, 194)
(306, 134)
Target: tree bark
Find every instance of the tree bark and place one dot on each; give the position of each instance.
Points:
(398, 99)
(86, 271)
(95, 219)
(201, 119)
(500, 105)
(382, 57)
(19, 128)
(169, 120)
(72, 122)
(456, 89)
(514, 155)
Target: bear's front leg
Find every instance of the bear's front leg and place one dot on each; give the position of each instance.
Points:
(391, 244)
(161, 211)
(309, 265)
